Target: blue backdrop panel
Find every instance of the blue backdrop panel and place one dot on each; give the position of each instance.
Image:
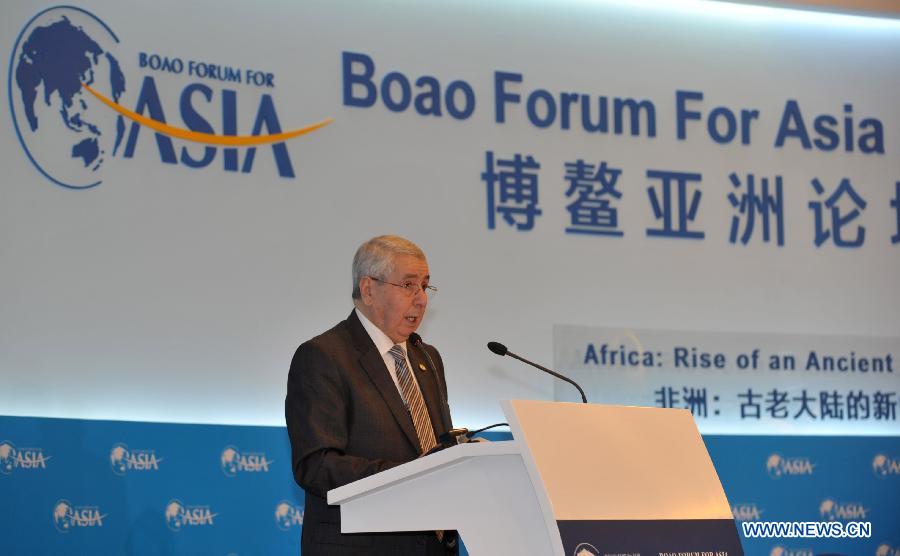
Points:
(111, 487)
(813, 478)
(213, 490)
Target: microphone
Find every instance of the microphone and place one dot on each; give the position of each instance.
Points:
(501, 350)
(453, 434)
(416, 340)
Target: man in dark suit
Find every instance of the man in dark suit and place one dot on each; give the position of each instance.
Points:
(362, 399)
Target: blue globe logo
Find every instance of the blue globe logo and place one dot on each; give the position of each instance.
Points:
(229, 460)
(288, 515)
(175, 515)
(118, 459)
(67, 135)
(62, 516)
(7, 457)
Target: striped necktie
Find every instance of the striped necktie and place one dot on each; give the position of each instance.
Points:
(414, 401)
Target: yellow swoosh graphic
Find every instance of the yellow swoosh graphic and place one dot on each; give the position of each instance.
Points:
(207, 138)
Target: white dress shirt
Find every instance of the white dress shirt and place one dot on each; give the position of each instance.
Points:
(384, 345)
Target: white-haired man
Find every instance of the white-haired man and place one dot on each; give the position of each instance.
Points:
(361, 398)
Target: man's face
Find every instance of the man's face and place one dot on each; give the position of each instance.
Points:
(391, 308)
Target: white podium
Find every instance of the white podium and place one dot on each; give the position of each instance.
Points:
(578, 479)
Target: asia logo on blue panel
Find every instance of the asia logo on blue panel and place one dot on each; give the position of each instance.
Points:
(233, 461)
(122, 459)
(67, 516)
(782, 551)
(21, 458)
(779, 466)
(746, 512)
(179, 516)
(287, 515)
(69, 86)
(831, 510)
(586, 549)
(884, 466)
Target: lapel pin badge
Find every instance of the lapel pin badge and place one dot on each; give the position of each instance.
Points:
(422, 367)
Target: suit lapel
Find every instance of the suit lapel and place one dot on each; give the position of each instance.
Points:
(373, 364)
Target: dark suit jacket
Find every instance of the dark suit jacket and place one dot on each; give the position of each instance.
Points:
(346, 420)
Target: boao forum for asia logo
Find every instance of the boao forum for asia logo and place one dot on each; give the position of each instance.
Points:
(288, 514)
(233, 461)
(67, 516)
(833, 510)
(76, 104)
(778, 466)
(12, 458)
(885, 466)
(123, 459)
(180, 516)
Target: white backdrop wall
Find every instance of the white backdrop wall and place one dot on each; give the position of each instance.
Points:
(170, 293)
